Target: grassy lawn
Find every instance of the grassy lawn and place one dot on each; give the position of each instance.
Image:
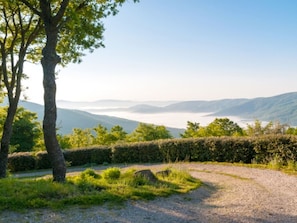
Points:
(112, 186)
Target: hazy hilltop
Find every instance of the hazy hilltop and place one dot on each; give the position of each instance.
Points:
(71, 118)
(281, 108)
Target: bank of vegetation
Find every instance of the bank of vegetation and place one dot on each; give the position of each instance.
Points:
(111, 186)
(222, 141)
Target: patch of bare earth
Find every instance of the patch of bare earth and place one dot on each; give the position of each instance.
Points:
(228, 194)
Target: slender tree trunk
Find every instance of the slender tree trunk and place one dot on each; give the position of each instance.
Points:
(6, 136)
(49, 61)
(14, 92)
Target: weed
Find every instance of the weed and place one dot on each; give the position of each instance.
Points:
(112, 173)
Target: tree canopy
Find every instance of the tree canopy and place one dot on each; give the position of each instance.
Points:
(19, 32)
(70, 28)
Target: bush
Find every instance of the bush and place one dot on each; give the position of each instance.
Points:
(231, 149)
(90, 173)
(283, 147)
(82, 156)
(264, 149)
(42, 160)
(112, 173)
(176, 150)
(143, 152)
(21, 161)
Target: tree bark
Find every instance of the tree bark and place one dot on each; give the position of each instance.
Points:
(49, 61)
(6, 136)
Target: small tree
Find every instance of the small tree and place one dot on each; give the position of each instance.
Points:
(218, 127)
(80, 138)
(223, 127)
(19, 31)
(149, 132)
(70, 27)
(257, 129)
(26, 131)
(101, 135)
(118, 134)
(105, 137)
(191, 131)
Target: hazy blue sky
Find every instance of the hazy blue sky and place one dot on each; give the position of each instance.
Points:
(186, 50)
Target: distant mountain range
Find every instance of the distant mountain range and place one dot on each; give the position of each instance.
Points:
(282, 108)
(72, 118)
(71, 115)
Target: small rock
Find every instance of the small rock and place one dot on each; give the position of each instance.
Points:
(148, 174)
(163, 173)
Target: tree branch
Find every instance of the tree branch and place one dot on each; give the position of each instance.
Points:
(31, 7)
(58, 17)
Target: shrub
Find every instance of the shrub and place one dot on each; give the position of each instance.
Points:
(91, 173)
(112, 173)
(143, 152)
(21, 161)
(264, 149)
(175, 150)
(82, 156)
(267, 148)
(42, 160)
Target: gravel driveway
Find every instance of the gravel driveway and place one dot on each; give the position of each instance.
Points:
(229, 194)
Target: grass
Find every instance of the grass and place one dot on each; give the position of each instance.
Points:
(112, 186)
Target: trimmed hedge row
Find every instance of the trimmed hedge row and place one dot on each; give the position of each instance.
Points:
(75, 157)
(144, 152)
(221, 149)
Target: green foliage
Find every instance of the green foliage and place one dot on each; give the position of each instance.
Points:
(26, 131)
(90, 173)
(87, 188)
(175, 150)
(149, 132)
(82, 156)
(19, 30)
(21, 162)
(260, 150)
(257, 129)
(112, 173)
(103, 137)
(80, 138)
(223, 127)
(64, 141)
(291, 131)
(219, 127)
(117, 134)
(142, 152)
(272, 147)
(42, 160)
(3, 111)
(192, 130)
(292, 165)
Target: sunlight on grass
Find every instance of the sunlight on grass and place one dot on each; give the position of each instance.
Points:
(91, 188)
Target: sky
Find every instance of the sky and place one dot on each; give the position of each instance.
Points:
(185, 50)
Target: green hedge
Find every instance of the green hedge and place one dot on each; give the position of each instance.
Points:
(144, 152)
(284, 148)
(21, 161)
(82, 156)
(42, 160)
(222, 149)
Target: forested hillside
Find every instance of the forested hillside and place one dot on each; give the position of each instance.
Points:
(70, 118)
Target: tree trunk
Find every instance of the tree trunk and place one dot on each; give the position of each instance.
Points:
(6, 135)
(49, 61)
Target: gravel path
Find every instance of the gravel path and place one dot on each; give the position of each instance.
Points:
(229, 194)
